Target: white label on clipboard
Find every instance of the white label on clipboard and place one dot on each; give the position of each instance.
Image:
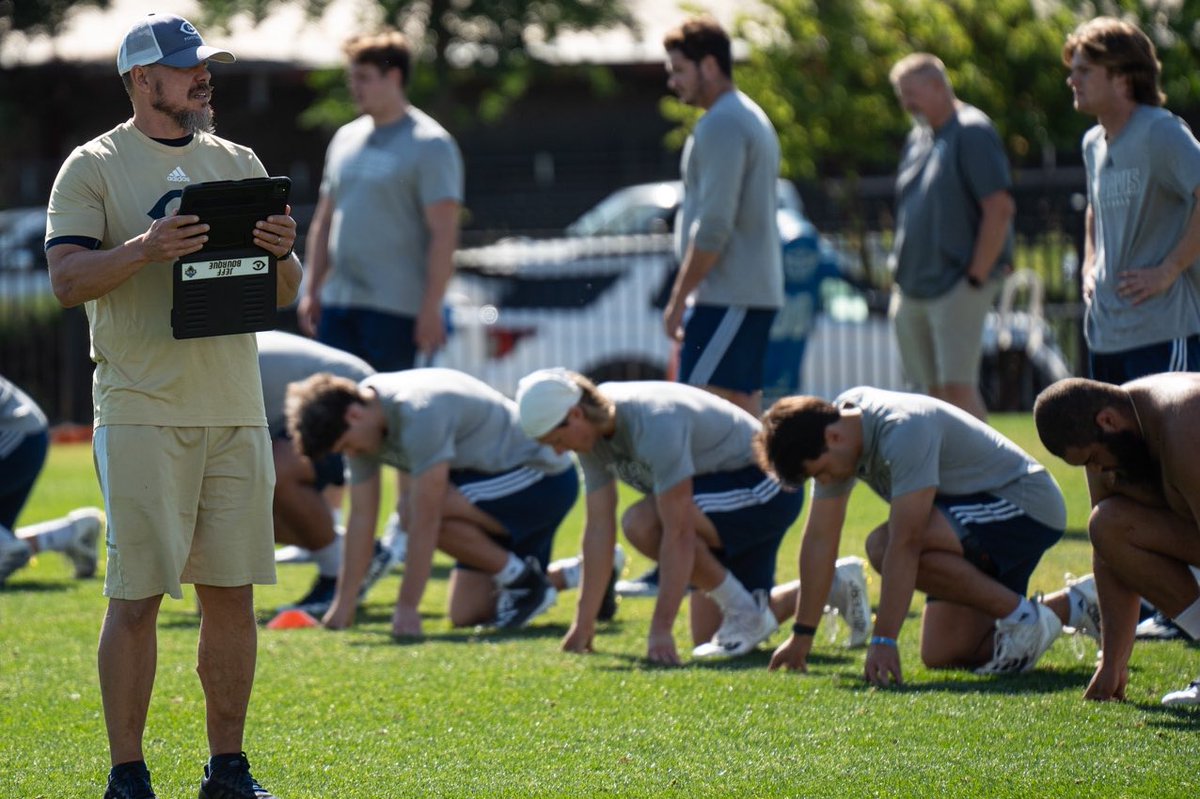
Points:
(223, 267)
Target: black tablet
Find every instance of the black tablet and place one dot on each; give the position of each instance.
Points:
(229, 285)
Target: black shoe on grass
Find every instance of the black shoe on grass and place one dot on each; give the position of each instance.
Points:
(129, 781)
(228, 777)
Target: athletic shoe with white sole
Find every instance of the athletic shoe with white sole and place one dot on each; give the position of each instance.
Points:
(644, 585)
(229, 777)
(608, 605)
(395, 539)
(14, 553)
(1018, 645)
(1159, 627)
(1186, 696)
(525, 598)
(1082, 593)
(381, 563)
(292, 554)
(86, 524)
(741, 632)
(318, 599)
(849, 599)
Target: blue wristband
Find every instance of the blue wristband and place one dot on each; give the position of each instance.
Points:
(883, 640)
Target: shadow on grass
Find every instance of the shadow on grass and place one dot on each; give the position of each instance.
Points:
(34, 587)
(1172, 717)
(964, 682)
(473, 635)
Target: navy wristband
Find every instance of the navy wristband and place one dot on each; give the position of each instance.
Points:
(974, 281)
(803, 629)
(883, 640)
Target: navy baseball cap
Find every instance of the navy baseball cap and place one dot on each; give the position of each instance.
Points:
(166, 39)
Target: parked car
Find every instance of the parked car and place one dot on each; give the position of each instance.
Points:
(22, 236)
(592, 300)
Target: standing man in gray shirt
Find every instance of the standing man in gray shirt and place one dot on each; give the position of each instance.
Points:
(1142, 241)
(381, 245)
(1143, 226)
(731, 262)
(970, 515)
(953, 233)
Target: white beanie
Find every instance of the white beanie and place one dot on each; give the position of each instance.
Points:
(544, 398)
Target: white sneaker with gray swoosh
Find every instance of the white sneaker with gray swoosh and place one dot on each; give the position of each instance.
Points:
(741, 632)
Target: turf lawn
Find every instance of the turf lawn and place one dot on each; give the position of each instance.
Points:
(467, 713)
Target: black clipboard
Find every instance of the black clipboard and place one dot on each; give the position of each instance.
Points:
(228, 286)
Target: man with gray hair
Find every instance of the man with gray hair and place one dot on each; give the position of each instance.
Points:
(953, 233)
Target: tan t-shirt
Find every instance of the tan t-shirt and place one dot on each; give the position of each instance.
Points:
(110, 190)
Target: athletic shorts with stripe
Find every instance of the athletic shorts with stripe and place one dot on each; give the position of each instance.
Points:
(1176, 355)
(751, 512)
(997, 537)
(530, 505)
(725, 347)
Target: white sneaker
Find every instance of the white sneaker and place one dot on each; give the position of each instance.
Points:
(850, 601)
(292, 554)
(741, 632)
(396, 539)
(14, 553)
(1186, 696)
(87, 524)
(1019, 645)
(1086, 588)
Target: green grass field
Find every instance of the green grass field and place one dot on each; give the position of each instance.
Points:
(355, 714)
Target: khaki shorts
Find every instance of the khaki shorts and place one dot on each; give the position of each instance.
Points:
(941, 340)
(185, 505)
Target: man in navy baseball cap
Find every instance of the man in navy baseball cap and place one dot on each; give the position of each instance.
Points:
(169, 40)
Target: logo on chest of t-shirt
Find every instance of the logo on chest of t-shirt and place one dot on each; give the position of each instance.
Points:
(177, 175)
(1118, 187)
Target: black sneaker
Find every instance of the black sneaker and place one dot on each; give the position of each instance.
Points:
(526, 597)
(129, 781)
(1160, 627)
(381, 563)
(228, 777)
(318, 599)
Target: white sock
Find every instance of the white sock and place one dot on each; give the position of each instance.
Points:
(1023, 613)
(732, 597)
(52, 536)
(571, 570)
(329, 558)
(1189, 620)
(511, 571)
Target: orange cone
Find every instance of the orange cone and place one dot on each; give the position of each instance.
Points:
(292, 620)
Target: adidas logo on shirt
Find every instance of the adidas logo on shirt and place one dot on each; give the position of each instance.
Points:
(177, 175)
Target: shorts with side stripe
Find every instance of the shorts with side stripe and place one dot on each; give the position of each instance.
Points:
(725, 347)
(1176, 355)
(997, 537)
(529, 503)
(751, 512)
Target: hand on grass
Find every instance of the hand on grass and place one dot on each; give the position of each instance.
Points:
(579, 639)
(406, 621)
(883, 666)
(1107, 684)
(338, 617)
(660, 649)
(792, 654)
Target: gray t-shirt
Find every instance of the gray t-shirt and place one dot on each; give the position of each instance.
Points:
(667, 432)
(284, 358)
(1140, 188)
(911, 442)
(19, 416)
(730, 166)
(380, 181)
(942, 177)
(442, 415)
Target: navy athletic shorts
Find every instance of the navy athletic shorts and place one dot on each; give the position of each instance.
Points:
(997, 537)
(725, 347)
(530, 504)
(751, 512)
(1177, 355)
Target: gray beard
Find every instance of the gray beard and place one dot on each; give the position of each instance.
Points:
(192, 121)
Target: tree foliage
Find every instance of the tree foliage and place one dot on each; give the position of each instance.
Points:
(485, 44)
(38, 16)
